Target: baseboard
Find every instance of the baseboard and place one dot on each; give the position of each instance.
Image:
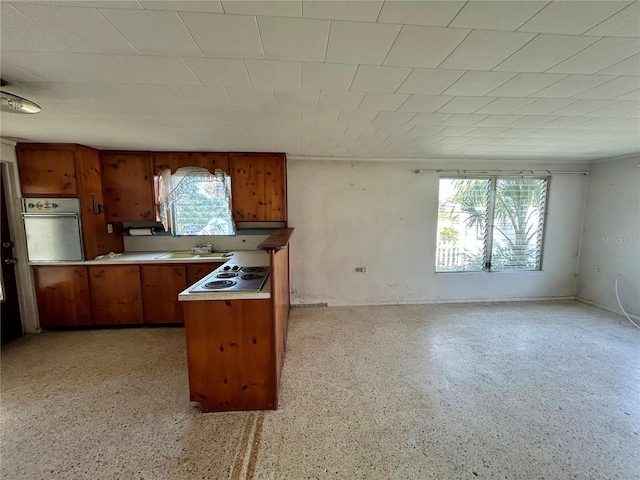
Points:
(447, 300)
(307, 305)
(635, 318)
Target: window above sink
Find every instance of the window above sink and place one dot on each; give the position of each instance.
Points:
(194, 202)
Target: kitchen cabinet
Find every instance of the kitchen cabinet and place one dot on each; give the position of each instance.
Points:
(47, 170)
(230, 354)
(161, 285)
(62, 295)
(127, 182)
(71, 171)
(116, 295)
(236, 346)
(96, 237)
(175, 160)
(259, 187)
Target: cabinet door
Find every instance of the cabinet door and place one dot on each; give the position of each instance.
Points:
(161, 285)
(116, 295)
(63, 296)
(47, 171)
(197, 271)
(258, 187)
(127, 182)
(96, 237)
(175, 160)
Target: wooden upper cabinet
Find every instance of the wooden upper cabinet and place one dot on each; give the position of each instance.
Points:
(258, 187)
(175, 160)
(47, 171)
(96, 238)
(63, 296)
(116, 295)
(127, 181)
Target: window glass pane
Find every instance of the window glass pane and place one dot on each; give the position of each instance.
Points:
(202, 206)
(462, 224)
(518, 223)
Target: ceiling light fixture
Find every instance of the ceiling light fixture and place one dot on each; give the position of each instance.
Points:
(15, 104)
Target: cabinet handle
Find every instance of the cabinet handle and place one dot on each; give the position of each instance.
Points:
(97, 208)
(99, 274)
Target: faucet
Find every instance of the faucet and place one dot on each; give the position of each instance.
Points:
(202, 248)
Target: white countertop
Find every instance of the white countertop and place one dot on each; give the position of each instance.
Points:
(253, 258)
(139, 258)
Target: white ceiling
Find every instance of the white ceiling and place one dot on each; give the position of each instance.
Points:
(499, 80)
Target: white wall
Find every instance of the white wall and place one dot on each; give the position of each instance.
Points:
(383, 215)
(611, 237)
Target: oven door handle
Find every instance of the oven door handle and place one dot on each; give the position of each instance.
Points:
(48, 215)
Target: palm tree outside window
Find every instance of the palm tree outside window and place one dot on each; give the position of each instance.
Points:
(491, 223)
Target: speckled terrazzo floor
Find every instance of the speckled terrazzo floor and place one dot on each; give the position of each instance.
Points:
(515, 391)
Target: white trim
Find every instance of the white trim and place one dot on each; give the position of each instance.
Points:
(608, 309)
(8, 152)
(24, 276)
(517, 173)
(444, 300)
(613, 159)
(444, 161)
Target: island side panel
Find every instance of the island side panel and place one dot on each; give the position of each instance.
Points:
(280, 304)
(230, 354)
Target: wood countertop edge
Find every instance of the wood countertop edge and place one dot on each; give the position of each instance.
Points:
(277, 240)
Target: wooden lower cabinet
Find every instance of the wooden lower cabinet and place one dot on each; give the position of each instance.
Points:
(116, 295)
(161, 285)
(63, 296)
(230, 354)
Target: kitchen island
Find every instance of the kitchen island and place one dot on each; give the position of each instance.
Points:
(236, 340)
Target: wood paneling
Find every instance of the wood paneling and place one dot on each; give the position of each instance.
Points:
(127, 182)
(116, 295)
(280, 305)
(63, 296)
(258, 184)
(277, 240)
(161, 285)
(230, 354)
(96, 239)
(197, 271)
(175, 160)
(46, 171)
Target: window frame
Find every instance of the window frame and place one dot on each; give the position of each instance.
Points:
(493, 179)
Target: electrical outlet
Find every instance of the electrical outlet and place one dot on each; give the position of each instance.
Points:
(597, 269)
(109, 228)
(363, 269)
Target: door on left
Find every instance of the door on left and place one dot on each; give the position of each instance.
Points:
(10, 322)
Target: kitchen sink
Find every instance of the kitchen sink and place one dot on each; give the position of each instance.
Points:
(184, 255)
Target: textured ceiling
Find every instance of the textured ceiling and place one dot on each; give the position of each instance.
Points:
(502, 80)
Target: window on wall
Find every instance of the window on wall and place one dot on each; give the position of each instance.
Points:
(490, 224)
(194, 201)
